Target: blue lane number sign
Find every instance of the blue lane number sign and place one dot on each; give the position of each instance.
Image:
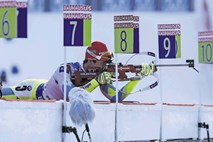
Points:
(77, 25)
(169, 40)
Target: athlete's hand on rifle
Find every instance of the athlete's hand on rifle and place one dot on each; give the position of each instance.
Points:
(147, 69)
(104, 78)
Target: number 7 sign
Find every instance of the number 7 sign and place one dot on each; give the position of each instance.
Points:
(76, 32)
(77, 29)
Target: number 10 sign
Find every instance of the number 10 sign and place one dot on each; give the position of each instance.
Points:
(77, 25)
(205, 45)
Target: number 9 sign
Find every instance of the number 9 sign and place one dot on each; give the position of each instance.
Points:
(8, 21)
(167, 47)
(169, 41)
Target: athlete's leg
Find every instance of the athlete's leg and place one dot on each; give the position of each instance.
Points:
(0, 89)
(7, 93)
(109, 91)
(26, 90)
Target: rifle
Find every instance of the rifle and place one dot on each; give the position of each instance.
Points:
(81, 78)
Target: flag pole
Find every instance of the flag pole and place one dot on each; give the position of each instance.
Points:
(65, 88)
(116, 105)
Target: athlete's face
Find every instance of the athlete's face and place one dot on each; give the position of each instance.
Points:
(94, 65)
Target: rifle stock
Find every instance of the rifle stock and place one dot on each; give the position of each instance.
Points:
(81, 78)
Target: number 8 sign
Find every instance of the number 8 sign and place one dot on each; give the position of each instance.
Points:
(126, 35)
(8, 19)
(124, 40)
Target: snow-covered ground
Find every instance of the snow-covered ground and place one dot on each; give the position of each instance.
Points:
(42, 121)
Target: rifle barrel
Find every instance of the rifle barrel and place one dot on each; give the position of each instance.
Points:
(171, 65)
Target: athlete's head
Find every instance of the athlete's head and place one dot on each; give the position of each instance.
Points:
(98, 51)
(96, 57)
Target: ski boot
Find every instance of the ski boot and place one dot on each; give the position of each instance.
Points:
(0, 89)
